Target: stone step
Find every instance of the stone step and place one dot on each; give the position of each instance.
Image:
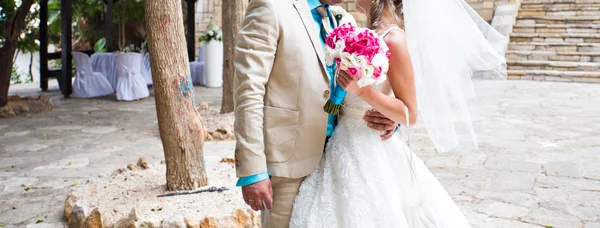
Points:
(557, 28)
(554, 56)
(560, 6)
(529, 2)
(556, 37)
(552, 65)
(586, 11)
(555, 75)
(542, 46)
(526, 20)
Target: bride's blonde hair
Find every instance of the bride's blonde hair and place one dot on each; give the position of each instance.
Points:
(391, 8)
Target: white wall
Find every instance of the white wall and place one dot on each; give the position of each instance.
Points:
(22, 63)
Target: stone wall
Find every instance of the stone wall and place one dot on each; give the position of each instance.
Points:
(486, 8)
(206, 8)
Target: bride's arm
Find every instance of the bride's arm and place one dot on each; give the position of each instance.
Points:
(401, 77)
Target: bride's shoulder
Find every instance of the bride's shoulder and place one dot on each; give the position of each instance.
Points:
(395, 39)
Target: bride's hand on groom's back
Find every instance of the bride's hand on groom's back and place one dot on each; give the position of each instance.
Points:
(378, 121)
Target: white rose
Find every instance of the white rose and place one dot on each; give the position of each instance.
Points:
(381, 60)
(361, 61)
(347, 60)
(366, 81)
(330, 55)
(340, 45)
(367, 72)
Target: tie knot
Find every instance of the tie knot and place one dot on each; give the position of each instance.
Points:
(322, 11)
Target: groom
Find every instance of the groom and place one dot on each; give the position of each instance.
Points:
(281, 85)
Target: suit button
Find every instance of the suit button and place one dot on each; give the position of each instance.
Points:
(326, 93)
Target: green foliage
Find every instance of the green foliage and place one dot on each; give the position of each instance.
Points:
(100, 45)
(15, 78)
(7, 10)
(133, 9)
(26, 42)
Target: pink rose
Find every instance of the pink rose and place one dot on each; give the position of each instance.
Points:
(339, 33)
(377, 72)
(363, 43)
(353, 71)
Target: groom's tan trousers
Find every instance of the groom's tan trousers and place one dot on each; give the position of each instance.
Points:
(285, 191)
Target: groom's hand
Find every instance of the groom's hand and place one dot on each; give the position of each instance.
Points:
(257, 193)
(379, 122)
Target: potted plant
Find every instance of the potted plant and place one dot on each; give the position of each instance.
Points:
(212, 39)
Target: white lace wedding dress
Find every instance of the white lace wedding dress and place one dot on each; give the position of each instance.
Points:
(365, 182)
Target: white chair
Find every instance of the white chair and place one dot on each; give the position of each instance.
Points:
(146, 70)
(88, 83)
(131, 85)
(197, 68)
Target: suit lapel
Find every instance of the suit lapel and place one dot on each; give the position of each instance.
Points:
(302, 8)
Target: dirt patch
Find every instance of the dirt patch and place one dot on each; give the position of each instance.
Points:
(218, 126)
(23, 106)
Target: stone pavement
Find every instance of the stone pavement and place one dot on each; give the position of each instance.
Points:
(537, 165)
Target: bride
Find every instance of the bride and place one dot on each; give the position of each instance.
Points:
(363, 181)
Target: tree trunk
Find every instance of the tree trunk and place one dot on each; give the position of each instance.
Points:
(179, 123)
(233, 15)
(30, 67)
(8, 49)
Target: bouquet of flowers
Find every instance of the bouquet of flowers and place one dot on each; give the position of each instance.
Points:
(213, 32)
(359, 52)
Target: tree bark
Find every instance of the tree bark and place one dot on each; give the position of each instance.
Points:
(30, 67)
(233, 15)
(179, 123)
(8, 49)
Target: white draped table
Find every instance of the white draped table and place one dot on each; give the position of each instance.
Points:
(105, 63)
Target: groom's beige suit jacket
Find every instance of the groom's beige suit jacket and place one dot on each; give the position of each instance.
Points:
(280, 88)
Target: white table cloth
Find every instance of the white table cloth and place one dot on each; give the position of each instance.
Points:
(105, 64)
(146, 70)
(197, 68)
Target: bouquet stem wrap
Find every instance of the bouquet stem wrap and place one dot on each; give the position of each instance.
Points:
(334, 104)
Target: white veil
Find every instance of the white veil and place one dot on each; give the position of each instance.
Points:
(451, 49)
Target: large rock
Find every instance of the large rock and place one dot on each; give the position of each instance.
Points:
(94, 220)
(69, 206)
(79, 213)
(173, 222)
(149, 223)
(240, 218)
(129, 221)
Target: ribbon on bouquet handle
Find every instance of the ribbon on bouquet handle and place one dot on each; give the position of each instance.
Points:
(334, 104)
